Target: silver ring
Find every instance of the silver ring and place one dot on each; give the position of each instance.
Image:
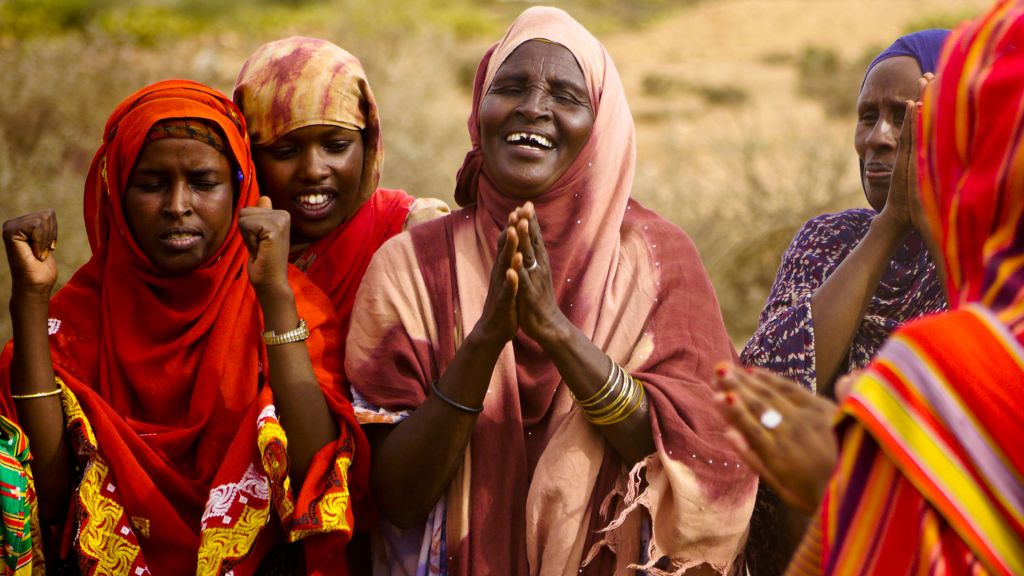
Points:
(771, 418)
(533, 266)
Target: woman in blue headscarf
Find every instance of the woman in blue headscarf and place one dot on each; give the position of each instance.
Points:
(849, 279)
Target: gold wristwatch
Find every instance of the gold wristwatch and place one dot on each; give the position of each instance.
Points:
(271, 338)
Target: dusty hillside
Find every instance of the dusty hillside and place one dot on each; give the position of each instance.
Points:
(738, 142)
(731, 147)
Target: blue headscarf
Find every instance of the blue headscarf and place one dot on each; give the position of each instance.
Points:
(924, 46)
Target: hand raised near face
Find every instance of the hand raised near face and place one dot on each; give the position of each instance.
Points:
(265, 232)
(499, 321)
(30, 241)
(781, 430)
(902, 205)
(539, 315)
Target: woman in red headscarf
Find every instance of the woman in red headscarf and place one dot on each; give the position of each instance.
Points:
(192, 419)
(929, 477)
(543, 352)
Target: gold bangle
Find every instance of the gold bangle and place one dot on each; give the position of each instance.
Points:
(617, 401)
(271, 338)
(37, 394)
(608, 389)
(622, 417)
(594, 399)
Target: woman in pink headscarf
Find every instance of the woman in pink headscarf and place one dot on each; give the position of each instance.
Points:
(542, 353)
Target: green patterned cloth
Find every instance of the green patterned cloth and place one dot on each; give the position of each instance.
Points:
(15, 496)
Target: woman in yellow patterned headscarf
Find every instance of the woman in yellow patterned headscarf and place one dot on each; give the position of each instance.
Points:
(316, 140)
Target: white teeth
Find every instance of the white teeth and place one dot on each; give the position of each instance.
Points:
(521, 138)
(180, 236)
(313, 200)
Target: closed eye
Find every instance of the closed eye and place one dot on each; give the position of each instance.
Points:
(205, 185)
(148, 185)
(337, 146)
(510, 90)
(282, 152)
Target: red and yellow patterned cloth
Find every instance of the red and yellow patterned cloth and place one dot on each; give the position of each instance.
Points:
(185, 469)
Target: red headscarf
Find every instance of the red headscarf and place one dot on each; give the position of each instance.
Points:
(972, 164)
(167, 369)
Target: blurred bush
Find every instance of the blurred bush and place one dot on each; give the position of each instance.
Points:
(825, 77)
(742, 192)
(948, 20)
(712, 95)
(67, 64)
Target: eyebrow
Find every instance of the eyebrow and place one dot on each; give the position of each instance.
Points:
(556, 82)
(891, 102)
(566, 84)
(202, 171)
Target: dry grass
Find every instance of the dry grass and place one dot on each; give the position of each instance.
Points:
(731, 147)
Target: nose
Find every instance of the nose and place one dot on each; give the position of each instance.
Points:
(179, 200)
(313, 166)
(535, 103)
(884, 134)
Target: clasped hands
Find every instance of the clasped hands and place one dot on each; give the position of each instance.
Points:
(520, 292)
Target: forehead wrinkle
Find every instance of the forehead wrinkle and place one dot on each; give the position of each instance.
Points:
(559, 71)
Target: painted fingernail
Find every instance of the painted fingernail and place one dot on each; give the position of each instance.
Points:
(730, 399)
(722, 370)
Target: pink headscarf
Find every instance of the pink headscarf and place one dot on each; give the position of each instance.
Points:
(539, 482)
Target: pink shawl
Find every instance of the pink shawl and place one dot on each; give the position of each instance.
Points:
(539, 483)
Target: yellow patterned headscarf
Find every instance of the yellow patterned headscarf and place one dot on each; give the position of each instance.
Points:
(299, 82)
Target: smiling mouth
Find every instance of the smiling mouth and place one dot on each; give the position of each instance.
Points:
(180, 239)
(314, 205)
(529, 140)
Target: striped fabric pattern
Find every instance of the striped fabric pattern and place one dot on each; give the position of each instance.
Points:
(971, 163)
(925, 484)
(17, 501)
(930, 478)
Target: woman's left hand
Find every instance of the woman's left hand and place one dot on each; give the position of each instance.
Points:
(538, 312)
(781, 430)
(265, 232)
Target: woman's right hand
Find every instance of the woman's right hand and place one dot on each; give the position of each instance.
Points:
(498, 322)
(903, 190)
(903, 185)
(794, 454)
(30, 240)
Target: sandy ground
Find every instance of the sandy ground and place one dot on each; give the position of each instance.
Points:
(727, 42)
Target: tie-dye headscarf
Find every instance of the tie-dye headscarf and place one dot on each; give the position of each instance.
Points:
(299, 82)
